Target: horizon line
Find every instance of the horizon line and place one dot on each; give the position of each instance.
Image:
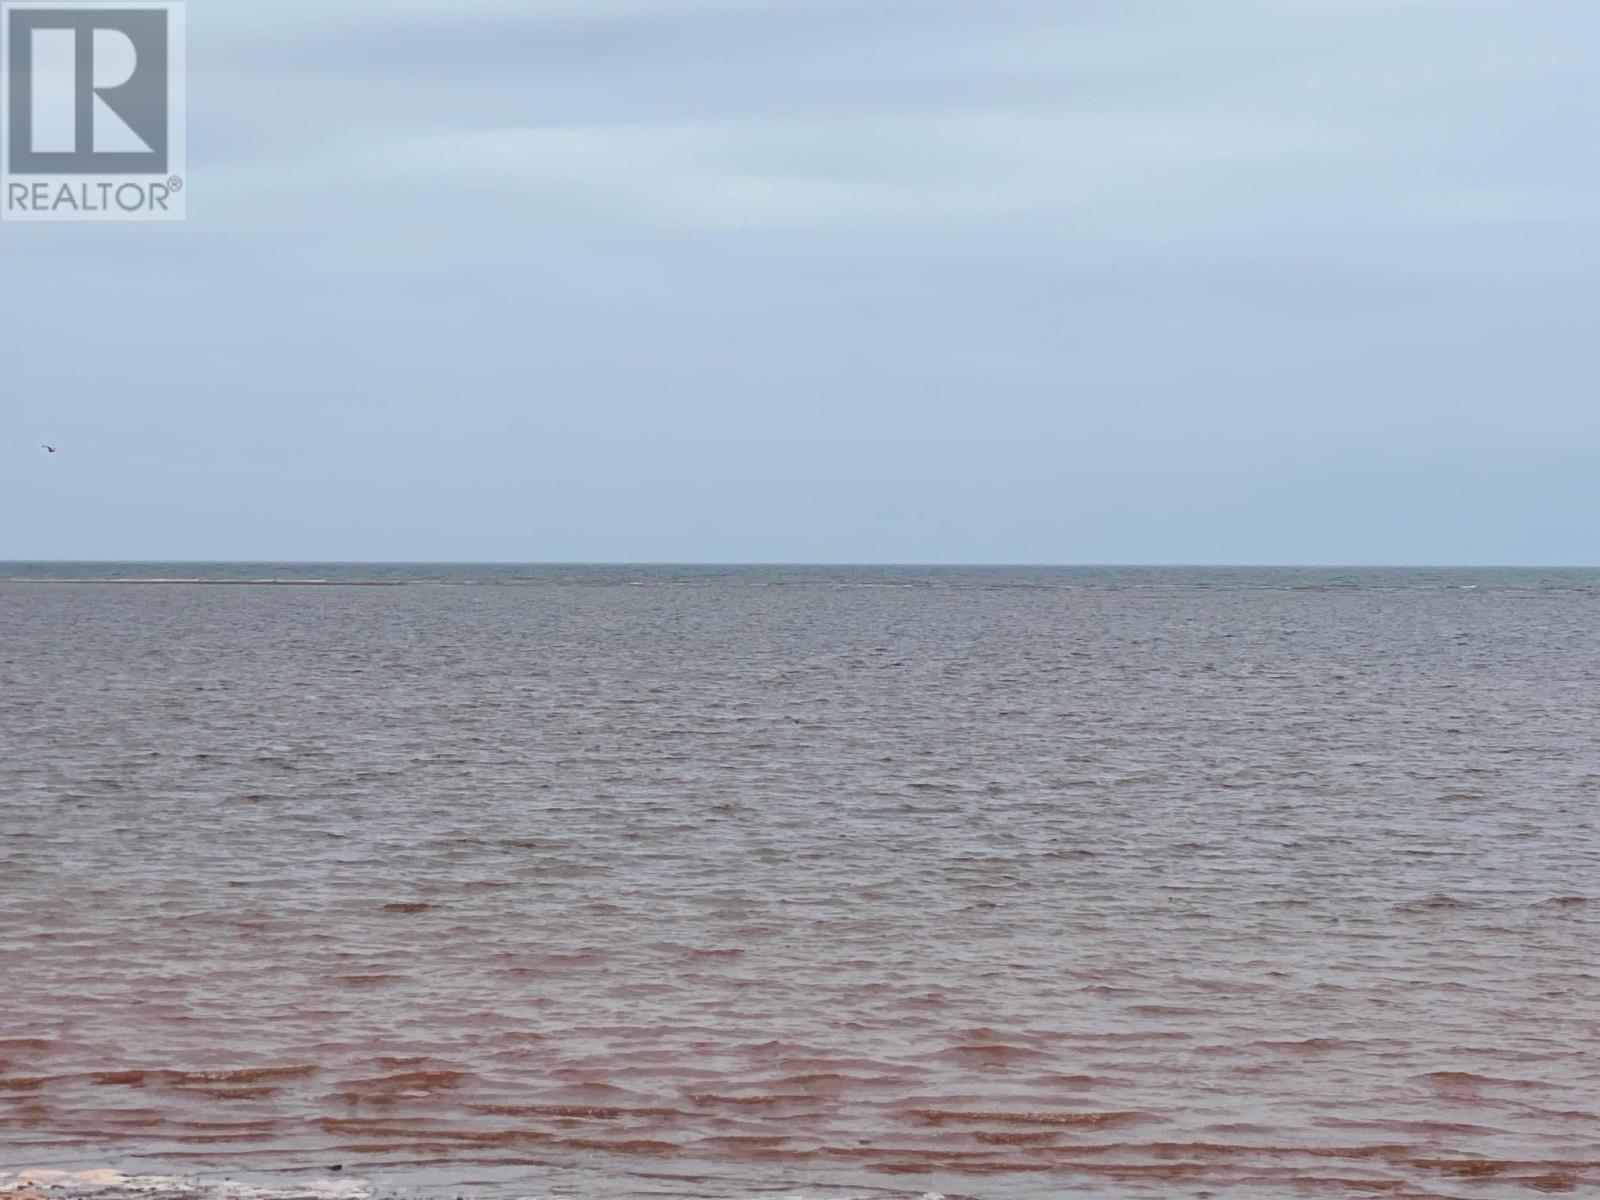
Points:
(949, 564)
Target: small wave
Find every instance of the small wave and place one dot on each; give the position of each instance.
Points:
(761, 1101)
(1017, 1137)
(942, 1116)
(372, 980)
(582, 1112)
(1434, 903)
(140, 1077)
(114, 1185)
(409, 1081)
(246, 1074)
(1311, 1045)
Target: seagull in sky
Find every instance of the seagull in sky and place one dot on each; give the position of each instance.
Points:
(48, 449)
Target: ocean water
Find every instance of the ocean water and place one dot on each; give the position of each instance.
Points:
(616, 882)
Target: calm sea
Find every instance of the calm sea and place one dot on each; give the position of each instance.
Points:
(707, 882)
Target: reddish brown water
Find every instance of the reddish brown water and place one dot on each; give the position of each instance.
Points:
(1001, 884)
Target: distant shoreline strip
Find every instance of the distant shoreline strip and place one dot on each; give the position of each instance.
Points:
(245, 582)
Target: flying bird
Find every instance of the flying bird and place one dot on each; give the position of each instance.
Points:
(49, 449)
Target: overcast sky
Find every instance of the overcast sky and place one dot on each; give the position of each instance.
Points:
(1241, 281)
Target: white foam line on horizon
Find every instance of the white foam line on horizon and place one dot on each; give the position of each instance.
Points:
(112, 1185)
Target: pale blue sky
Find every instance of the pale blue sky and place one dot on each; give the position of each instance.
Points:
(836, 280)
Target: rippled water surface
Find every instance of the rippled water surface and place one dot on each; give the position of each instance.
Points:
(719, 883)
